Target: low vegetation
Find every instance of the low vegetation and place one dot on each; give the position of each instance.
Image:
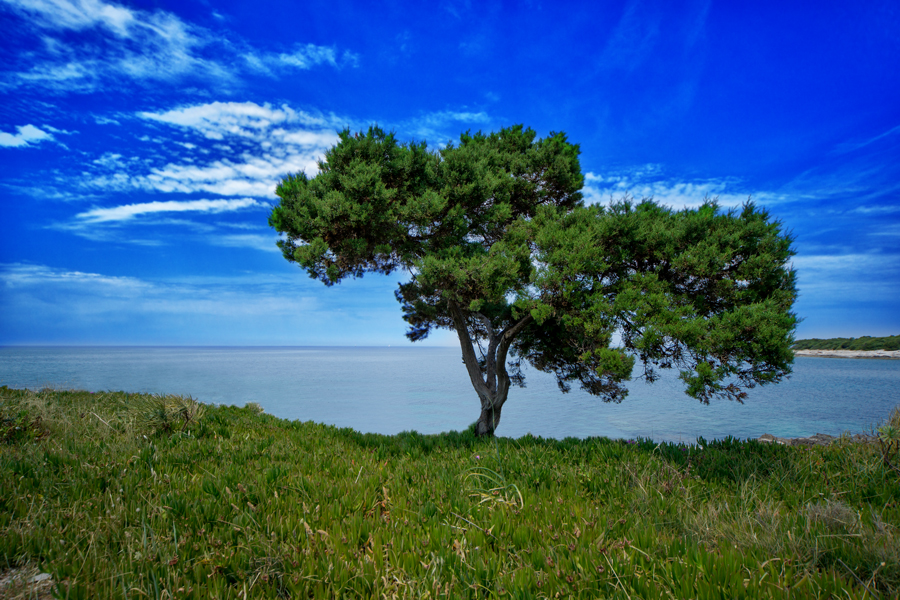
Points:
(891, 342)
(137, 496)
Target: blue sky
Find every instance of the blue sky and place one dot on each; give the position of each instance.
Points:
(140, 145)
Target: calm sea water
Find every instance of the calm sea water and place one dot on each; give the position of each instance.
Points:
(388, 390)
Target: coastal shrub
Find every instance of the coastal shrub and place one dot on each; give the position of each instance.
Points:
(891, 342)
(254, 407)
(159, 413)
(240, 504)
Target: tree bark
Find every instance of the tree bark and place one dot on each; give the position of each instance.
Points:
(491, 384)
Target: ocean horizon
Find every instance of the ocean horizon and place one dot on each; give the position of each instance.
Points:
(426, 389)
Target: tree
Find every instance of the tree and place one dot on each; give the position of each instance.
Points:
(500, 247)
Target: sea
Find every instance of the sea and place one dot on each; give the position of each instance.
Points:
(426, 389)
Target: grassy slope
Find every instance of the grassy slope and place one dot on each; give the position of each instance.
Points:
(107, 493)
(891, 342)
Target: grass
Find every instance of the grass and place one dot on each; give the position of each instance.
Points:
(132, 496)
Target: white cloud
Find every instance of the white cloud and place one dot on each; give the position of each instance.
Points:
(137, 44)
(256, 176)
(78, 76)
(144, 46)
(303, 57)
(217, 120)
(284, 141)
(22, 275)
(25, 136)
(105, 121)
(129, 211)
(258, 144)
(648, 181)
(77, 14)
(310, 55)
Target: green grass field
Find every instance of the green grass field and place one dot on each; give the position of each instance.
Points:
(137, 496)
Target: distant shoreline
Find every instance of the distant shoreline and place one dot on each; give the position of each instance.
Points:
(889, 354)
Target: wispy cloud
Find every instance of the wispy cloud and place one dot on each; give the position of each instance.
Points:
(99, 293)
(129, 211)
(21, 275)
(633, 38)
(281, 140)
(265, 243)
(309, 55)
(78, 14)
(650, 181)
(26, 135)
(877, 210)
(173, 222)
(255, 176)
(86, 307)
(852, 277)
(892, 230)
(140, 45)
(853, 146)
(238, 149)
(438, 126)
(218, 120)
(258, 145)
(143, 46)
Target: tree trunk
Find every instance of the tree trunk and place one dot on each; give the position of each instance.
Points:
(491, 382)
(489, 419)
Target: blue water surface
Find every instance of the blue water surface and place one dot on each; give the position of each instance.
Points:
(388, 390)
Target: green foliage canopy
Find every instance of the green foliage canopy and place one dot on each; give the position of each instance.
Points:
(500, 247)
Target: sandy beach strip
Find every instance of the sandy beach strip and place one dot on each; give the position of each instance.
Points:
(850, 353)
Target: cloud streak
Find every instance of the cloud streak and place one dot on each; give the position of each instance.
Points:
(114, 41)
(255, 176)
(78, 14)
(853, 277)
(434, 125)
(279, 140)
(25, 136)
(258, 144)
(649, 181)
(129, 211)
(218, 120)
(94, 308)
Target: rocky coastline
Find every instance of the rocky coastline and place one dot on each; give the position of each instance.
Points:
(850, 353)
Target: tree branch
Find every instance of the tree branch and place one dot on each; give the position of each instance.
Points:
(506, 338)
(490, 375)
(468, 351)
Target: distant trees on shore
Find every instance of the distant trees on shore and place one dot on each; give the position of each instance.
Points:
(891, 342)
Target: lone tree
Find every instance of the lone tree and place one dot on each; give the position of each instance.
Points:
(500, 247)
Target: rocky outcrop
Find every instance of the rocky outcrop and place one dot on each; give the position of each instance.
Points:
(26, 582)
